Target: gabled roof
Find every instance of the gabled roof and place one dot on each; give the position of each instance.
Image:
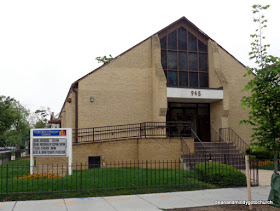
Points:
(182, 19)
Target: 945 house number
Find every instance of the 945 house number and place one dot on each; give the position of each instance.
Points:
(196, 93)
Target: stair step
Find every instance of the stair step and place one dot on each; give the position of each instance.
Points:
(216, 144)
(213, 157)
(216, 149)
(218, 152)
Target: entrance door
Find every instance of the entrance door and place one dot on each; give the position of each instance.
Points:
(204, 128)
(198, 115)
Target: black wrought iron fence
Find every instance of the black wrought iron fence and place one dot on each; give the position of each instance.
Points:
(139, 130)
(5, 157)
(120, 175)
(13, 155)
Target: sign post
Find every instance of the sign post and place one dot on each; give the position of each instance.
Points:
(51, 142)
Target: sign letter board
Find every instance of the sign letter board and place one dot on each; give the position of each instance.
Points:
(51, 142)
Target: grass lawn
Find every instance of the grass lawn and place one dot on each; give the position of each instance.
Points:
(94, 182)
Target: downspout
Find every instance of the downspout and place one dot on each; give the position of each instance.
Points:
(75, 90)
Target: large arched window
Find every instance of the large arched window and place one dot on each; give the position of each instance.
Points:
(184, 59)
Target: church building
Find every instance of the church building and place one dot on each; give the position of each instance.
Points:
(178, 79)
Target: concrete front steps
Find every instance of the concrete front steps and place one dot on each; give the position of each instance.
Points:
(216, 152)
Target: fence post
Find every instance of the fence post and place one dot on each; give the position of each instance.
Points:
(76, 135)
(7, 174)
(146, 172)
(205, 177)
(140, 134)
(168, 129)
(145, 129)
(92, 134)
(81, 178)
(225, 159)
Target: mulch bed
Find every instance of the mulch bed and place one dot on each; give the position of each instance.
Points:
(256, 207)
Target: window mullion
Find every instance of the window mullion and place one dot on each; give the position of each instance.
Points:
(197, 53)
(177, 39)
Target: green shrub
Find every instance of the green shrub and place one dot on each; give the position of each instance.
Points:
(221, 174)
(260, 153)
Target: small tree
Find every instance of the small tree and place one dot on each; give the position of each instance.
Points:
(39, 119)
(14, 126)
(264, 99)
(104, 59)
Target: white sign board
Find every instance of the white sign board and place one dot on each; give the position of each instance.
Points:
(49, 146)
(51, 142)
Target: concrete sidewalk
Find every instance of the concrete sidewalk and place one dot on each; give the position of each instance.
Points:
(145, 202)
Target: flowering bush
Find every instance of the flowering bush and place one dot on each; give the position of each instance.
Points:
(38, 176)
(262, 162)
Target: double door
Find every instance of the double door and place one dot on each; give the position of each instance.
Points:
(197, 115)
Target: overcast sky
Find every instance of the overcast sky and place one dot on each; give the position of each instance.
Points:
(46, 45)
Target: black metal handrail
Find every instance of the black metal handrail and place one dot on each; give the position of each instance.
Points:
(222, 138)
(184, 143)
(138, 130)
(204, 147)
(234, 138)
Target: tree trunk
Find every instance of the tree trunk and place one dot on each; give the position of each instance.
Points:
(275, 163)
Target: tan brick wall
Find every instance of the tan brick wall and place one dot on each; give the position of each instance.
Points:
(51, 165)
(130, 150)
(130, 89)
(123, 151)
(122, 91)
(68, 113)
(227, 72)
(159, 83)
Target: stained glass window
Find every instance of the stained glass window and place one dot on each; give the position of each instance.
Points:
(192, 43)
(172, 78)
(183, 79)
(172, 41)
(184, 59)
(203, 64)
(193, 80)
(163, 59)
(193, 61)
(182, 39)
(172, 60)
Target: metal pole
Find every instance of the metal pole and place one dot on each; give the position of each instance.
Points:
(248, 181)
